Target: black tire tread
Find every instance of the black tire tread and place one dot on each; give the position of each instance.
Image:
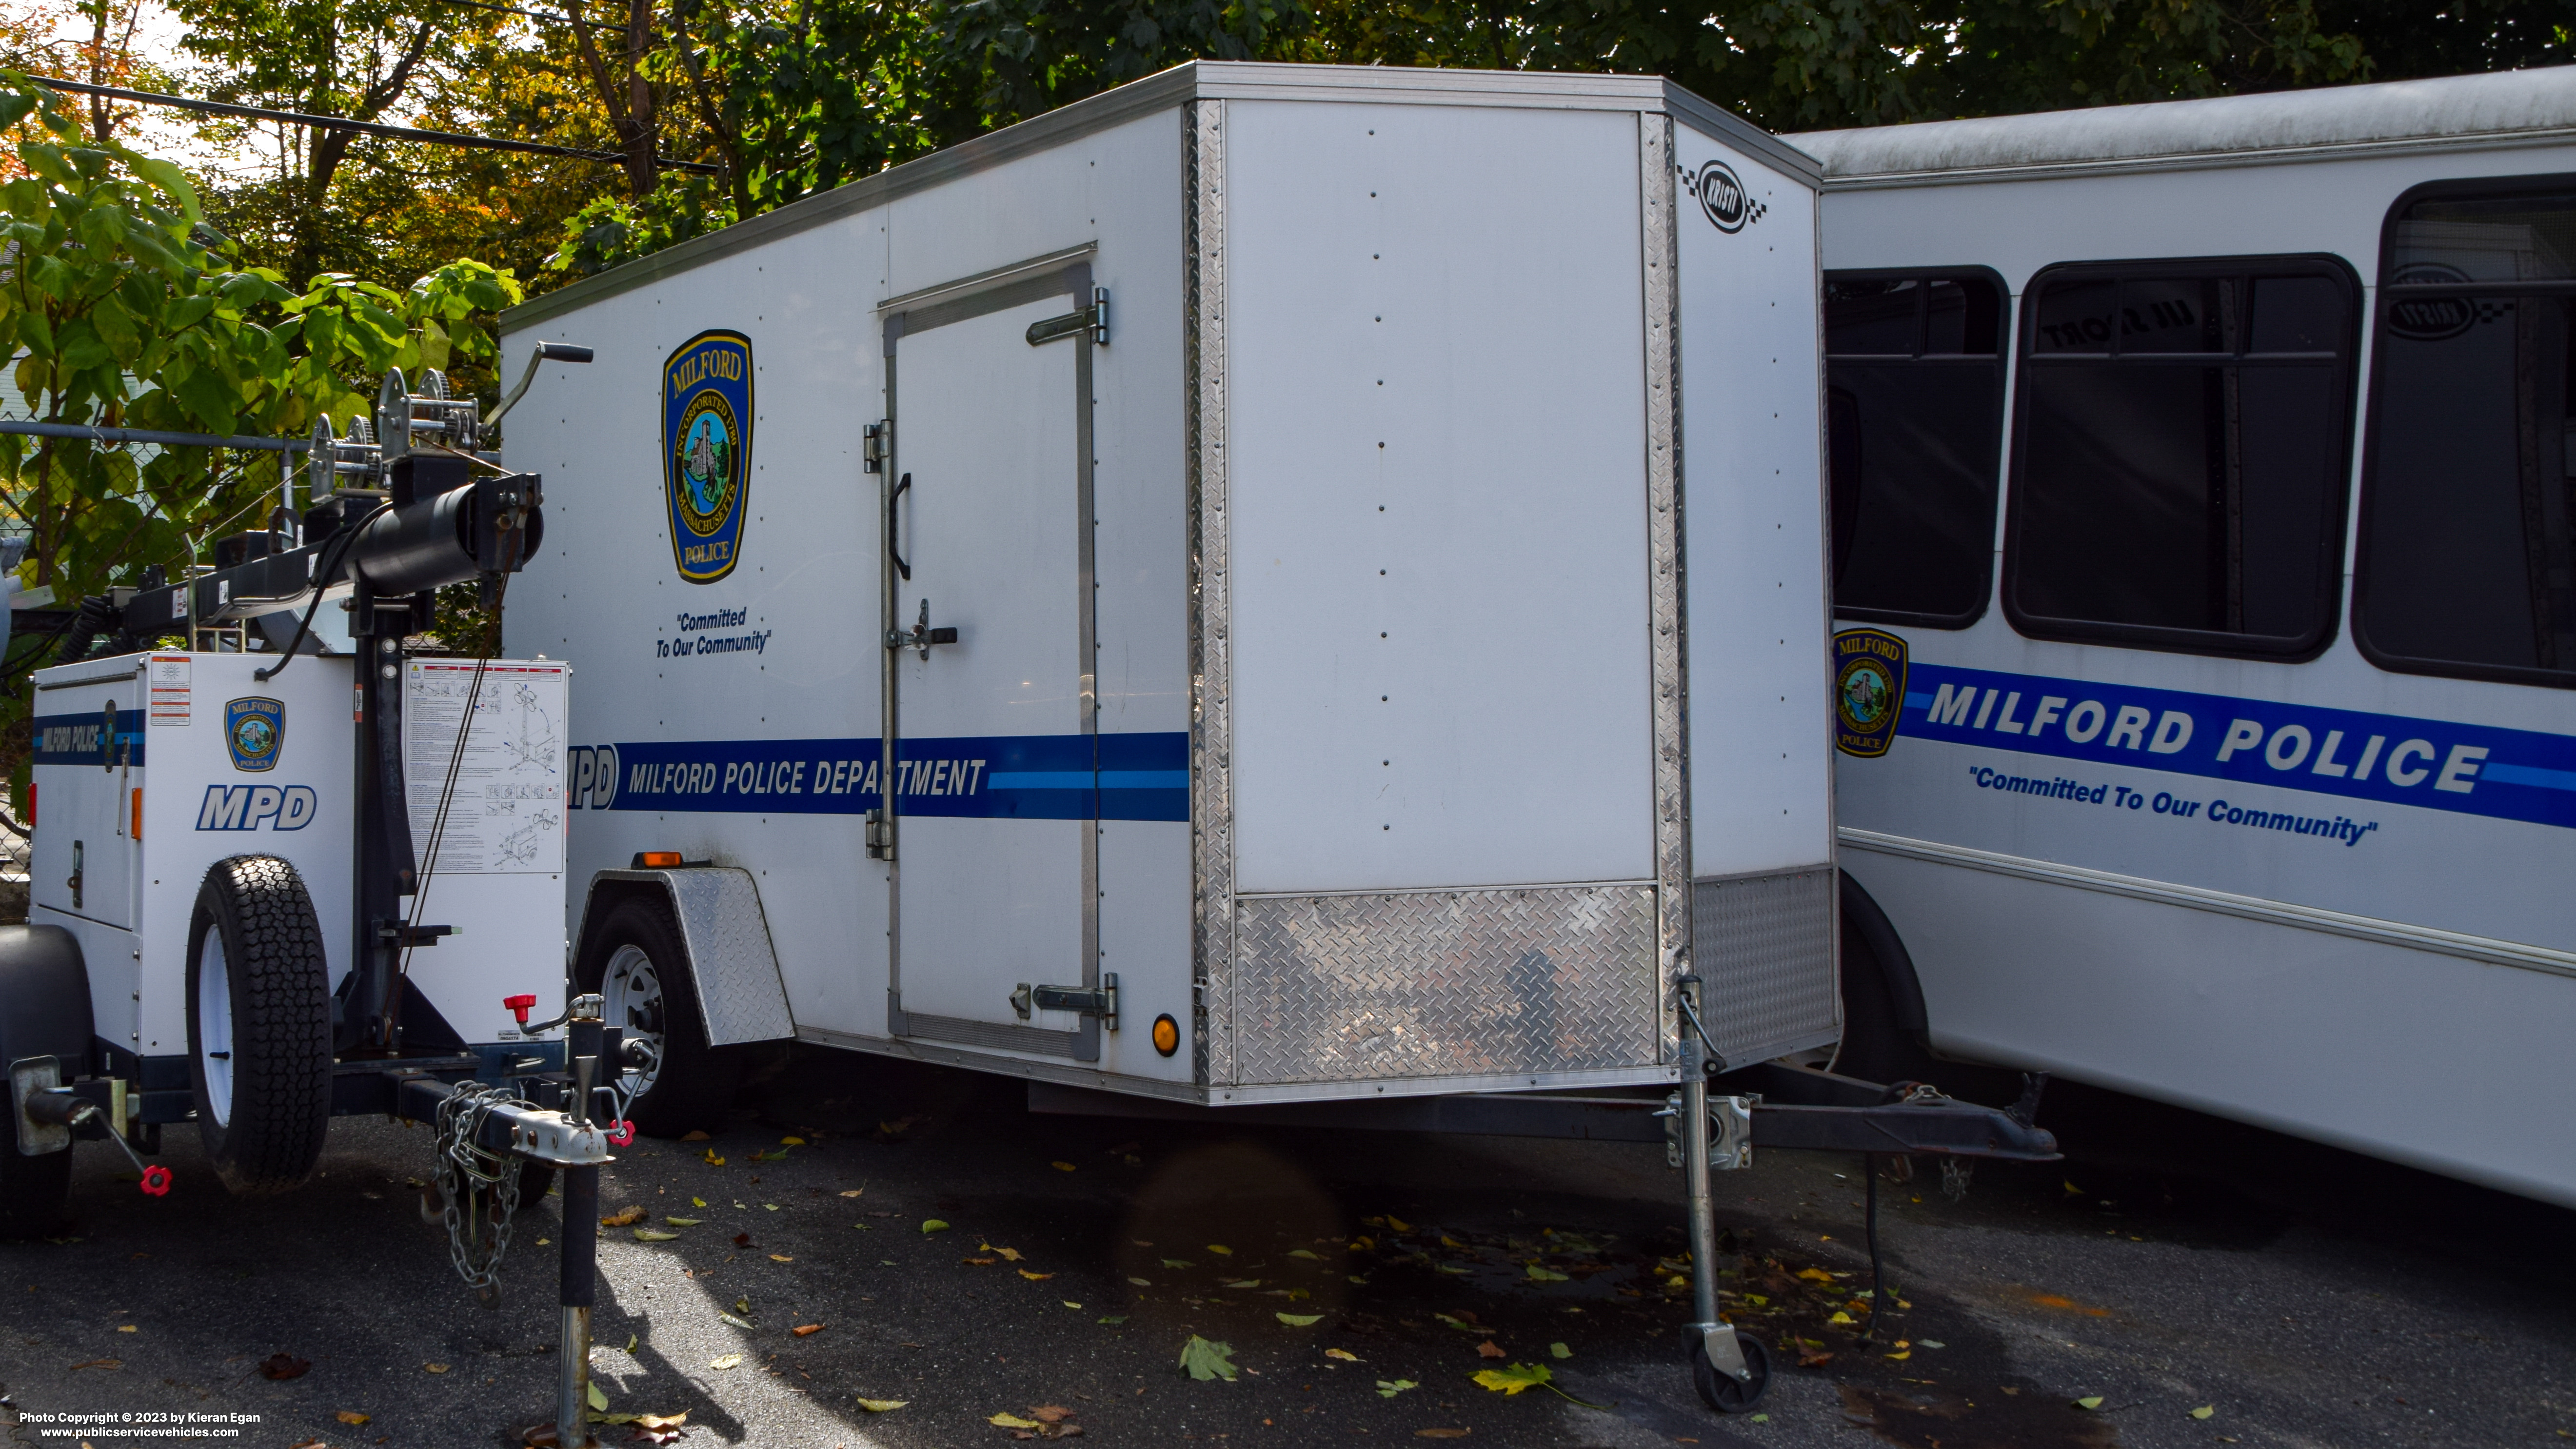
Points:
(281, 1024)
(34, 1191)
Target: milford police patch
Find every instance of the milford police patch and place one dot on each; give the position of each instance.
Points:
(1869, 691)
(254, 731)
(706, 451)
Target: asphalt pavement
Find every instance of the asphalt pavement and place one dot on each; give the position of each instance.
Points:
(873, 1234)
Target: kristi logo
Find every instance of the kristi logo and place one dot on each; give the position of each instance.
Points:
(1722, 196)
(706, 451)
(2433, 319)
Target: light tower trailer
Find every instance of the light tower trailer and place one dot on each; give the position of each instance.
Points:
(1260, 522)
(237, 857)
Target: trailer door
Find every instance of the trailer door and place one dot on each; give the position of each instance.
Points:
(991, 730)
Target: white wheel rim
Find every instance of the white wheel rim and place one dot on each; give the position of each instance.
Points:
(215, 1026)
(633, 991)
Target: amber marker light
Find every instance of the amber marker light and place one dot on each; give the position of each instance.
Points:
(1167, 1034)
(137, 832)
(656, 859)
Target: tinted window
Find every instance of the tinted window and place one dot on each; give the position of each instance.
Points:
(2178, 479)
(2468, 556)
(1914, 419)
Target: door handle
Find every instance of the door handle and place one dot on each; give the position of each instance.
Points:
(892, 499)
(921, 636)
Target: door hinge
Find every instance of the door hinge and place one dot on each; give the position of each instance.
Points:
(1100, 1001)
(878, 441)
(880, 836)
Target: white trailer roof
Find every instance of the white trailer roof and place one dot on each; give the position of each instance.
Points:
(2511, 108)
(1196, 80)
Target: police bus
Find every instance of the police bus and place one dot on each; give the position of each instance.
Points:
(2204, 566)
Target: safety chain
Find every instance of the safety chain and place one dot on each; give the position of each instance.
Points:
(471, 1179)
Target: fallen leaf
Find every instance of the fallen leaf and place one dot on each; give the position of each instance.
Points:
(699, 1136)
(780, 1258)
(1178, 1263)
(1013, 1421)
(1515, 1378)
(1816, 1275)
(2089, 1401)
(1220, 1250)
(1929, 1343)
(773, 1207)
(698, 1201)
(283, 1366)
(1206, 1360)
(1560, 1350)
(980, 1262)
(1389, 1388)
(1901, 1356)
(621, 1219)
(882, 1406)
(742, 1305)
(1245, 1283)
(2205, 1410)
(631, 1341)
(742, 1323)
(1051, 1413)
(1299, 1320)
(1035, 1277)
(1115, 1319)
(725, 1362)
(684, 1222)
(1841, 1317)
(1061, 1166)
(1069, 1303)
(598, 1395)
(712, 1160)
(351, 1417)
(933, 1225)
(854, 1192)
(654, 1235)
(1538, 1274)
(742, 1240)
(435, 1368)
(1307, 1254)
(1344, 1354)
(1818, 1358)
(128, 1328)
(1489, 1349)
(1141, 1282)
(791, 1141)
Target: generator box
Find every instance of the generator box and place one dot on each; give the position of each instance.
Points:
(1197, 593)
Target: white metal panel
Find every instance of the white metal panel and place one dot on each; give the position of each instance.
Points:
(86, 807)
(2288, 1028)
(1145, 938)
(986, 432)
(1438, 493)
(1753, 513)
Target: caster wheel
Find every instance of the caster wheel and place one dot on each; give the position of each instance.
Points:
(1724, 1392)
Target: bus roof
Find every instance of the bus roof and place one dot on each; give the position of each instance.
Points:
(2509, 108)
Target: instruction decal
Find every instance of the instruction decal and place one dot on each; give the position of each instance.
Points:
(492, 803)
(706, 451)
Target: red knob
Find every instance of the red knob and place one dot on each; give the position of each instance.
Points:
(623, 1135)
(156, 1181)
(519, 1006)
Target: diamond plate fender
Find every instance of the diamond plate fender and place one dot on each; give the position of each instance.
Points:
(741, 995)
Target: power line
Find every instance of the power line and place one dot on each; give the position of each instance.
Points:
(370, 128)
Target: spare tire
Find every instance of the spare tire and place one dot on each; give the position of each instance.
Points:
(259, 1024)
(44, 1011)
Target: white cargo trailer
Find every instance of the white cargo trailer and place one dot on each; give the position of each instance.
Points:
(1257, 510)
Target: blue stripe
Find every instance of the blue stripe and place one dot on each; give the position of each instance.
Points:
(2468, 769)
(72, 739)
(1027, 777)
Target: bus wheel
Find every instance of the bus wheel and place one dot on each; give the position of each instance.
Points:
(1725, 1392)
(259, 1024)
(636, 964)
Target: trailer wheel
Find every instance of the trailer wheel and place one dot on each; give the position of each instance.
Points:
(637, 964)
(259, 1024)
(44, 1012)
(1723, 1391)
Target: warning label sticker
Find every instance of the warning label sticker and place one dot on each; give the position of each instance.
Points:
(167, 676)
(492, 801)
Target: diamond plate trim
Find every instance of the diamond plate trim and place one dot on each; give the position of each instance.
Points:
(1348, 988)
(741, 996)
(1766, 950)
(1664, 562)
(1212, 1040)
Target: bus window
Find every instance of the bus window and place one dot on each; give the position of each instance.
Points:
(1914, 372)
(2180, 454)
(2468, 545)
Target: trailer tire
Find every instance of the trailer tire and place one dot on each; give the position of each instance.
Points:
(44, 1012)
(636, 960)
(259, 1024)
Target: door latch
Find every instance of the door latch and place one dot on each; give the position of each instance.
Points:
(1093, 319)
(878, 440)
(79, 849)
(880, 836)
(1100, 1001)
(921, 636)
